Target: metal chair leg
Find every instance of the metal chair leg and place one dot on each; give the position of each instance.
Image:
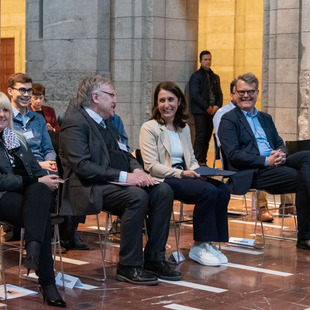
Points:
(177, 228)
(103, 249)
(2, 266)
(21, 249)
(56, 242)
(258, 211)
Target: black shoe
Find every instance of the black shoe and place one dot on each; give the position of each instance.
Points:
(51, 296)
(78, 243)
(116, 227)
(67, 245)
(135, 274)
(33, 256)
(162, 270)
(303, 244)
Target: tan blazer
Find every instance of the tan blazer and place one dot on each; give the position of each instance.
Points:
(156, 151)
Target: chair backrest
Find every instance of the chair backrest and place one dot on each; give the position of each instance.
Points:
(224, 161)
(139, 158)
(217, 150)
(297, 146)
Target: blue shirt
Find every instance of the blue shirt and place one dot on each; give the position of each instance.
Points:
(33, 127)
(117, 121)
(98, 119)
(259, 133)
(217, 119)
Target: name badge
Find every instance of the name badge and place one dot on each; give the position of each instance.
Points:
(28, 134)
(122, 146)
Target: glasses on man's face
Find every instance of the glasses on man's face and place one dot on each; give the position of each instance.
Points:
(111, 94)
(23, 91)
(250, 92)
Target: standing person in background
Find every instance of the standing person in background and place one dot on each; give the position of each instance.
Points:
(205, 98)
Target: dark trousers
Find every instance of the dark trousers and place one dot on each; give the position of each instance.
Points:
(293, 177)
(30, 210)
(211, 199)
(132, 204)
(203, 133)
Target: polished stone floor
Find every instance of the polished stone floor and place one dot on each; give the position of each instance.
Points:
(276, 277)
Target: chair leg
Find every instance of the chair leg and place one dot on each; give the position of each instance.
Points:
(56, 242)
(177, 229)
(258, 211)
(103, 248)
(21, 245)
(2, 265)
(283, 213)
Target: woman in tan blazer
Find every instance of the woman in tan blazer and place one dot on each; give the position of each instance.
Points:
(168, 155)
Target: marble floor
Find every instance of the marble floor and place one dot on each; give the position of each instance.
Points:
(276, 277)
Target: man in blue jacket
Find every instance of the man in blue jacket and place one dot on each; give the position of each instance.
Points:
(252, 146)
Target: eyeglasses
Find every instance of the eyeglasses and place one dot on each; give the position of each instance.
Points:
(111, 94)
(23, 91)
(250, 92)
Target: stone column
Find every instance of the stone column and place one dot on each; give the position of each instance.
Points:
(137, 43)
(286, 48)
(152, 41)
(65, 41)
(304, 75)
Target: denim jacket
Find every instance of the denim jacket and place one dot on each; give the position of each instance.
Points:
(40, 142)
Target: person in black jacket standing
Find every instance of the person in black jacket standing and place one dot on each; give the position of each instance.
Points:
(206, 98)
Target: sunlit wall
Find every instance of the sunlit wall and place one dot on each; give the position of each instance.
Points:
(13, 26)
(232, 30)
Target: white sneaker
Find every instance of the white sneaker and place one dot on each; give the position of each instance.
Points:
(202, 255)
(215, 250)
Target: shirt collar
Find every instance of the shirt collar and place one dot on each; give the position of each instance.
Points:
(95, 116)
(16, 112)
(248, 114)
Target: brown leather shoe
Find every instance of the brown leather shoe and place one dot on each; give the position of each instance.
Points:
(288, 209)
(266, 216)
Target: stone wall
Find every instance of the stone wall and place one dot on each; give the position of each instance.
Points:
(75, 42)
(285, 89)
(137, 43)
(304, 75)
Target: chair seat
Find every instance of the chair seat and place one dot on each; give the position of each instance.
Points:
(56, 219)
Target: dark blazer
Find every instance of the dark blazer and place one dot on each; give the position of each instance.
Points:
(199, 91)
(49, 116)
(240, 149)
(86, 162)
(11, 182)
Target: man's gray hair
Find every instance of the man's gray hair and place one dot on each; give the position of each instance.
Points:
(90, 85)
(249, 78)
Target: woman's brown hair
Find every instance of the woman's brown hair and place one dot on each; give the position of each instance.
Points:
(180, 115)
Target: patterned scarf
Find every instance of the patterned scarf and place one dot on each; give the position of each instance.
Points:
(10, 139)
